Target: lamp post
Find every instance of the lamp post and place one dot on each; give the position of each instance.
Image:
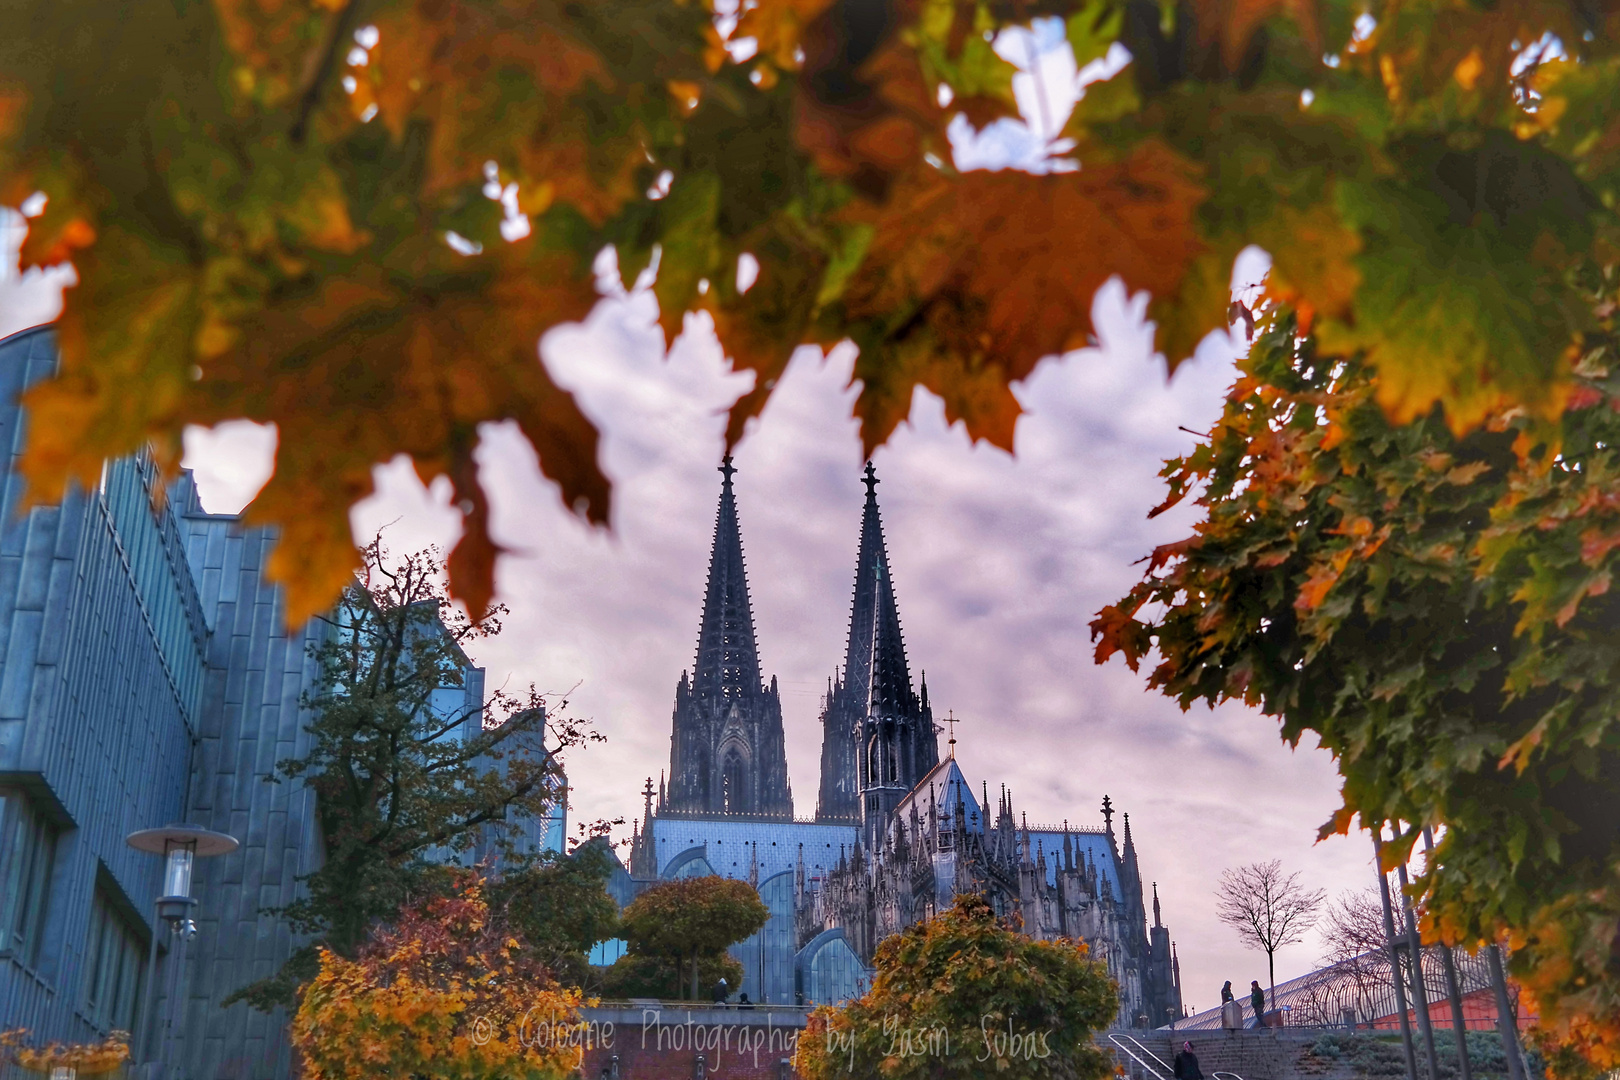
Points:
(181, 846)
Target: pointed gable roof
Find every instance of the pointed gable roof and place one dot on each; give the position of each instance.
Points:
(944, 787)
(875, 668)
(727, 657)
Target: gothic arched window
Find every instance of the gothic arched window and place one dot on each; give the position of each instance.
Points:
(732, 790)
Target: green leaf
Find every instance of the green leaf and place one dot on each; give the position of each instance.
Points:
(1093, 29)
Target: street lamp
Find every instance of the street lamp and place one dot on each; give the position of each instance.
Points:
(180, 846)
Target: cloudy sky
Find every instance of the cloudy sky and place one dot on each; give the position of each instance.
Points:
(999, 560)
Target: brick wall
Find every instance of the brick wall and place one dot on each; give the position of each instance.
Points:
(659, 1042)
(1273, 1054)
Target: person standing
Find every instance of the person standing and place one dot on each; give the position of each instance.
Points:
(721, 992)
(1186, 1065)
(1226, 992)
(1257, 999)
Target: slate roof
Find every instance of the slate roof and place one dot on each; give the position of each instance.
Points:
(729, 844)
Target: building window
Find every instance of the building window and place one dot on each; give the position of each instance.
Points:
(115, 956)
(27, 856)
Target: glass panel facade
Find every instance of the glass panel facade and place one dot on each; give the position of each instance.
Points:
(151, 546)
(829, 971)
(27, 857)
(115, 959)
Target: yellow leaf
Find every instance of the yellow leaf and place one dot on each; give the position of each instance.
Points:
(1468, 70)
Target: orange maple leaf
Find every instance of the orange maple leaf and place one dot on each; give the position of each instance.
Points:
(989, 272)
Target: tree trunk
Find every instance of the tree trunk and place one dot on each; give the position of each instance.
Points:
(694, 975)
(1271, 966)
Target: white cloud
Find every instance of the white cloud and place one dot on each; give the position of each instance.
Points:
(26, 298)
(230, 462)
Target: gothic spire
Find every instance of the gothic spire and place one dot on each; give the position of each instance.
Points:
(875, 668)
(728, 753)
(727, 658)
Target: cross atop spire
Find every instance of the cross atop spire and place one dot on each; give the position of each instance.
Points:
(870, 480)
(1108, 813)
(728, 470)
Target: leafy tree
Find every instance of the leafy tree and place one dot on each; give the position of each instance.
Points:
(258, 198)
(449, 991)
(403, 781)
(963, 995)
(562, 906)
(1436, 609)
(1270, 910)
(691, 920)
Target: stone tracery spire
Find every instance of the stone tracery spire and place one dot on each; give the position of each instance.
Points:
(728, 753)
(878, 740)
(875, 667)
(727, 657)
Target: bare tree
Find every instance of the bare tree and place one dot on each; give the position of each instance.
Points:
(1355, 925)
(1268, 909)
(1353, 935)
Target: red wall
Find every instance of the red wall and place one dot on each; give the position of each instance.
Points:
(1478, 1009)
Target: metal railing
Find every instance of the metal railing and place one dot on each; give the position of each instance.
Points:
(1120, 1042)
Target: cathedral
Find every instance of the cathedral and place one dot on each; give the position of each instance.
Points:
(898, 832)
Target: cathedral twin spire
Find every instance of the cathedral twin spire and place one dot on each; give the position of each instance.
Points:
(727, 750)
(728, 754)
(875, 668)
(727, 663)
(878, 737)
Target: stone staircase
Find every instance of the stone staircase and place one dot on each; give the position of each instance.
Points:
(1269, 1054)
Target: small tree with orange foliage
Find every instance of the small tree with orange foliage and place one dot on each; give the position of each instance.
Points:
(88, 1059)
(448, 992)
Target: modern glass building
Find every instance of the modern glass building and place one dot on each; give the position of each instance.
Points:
(146, 677)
